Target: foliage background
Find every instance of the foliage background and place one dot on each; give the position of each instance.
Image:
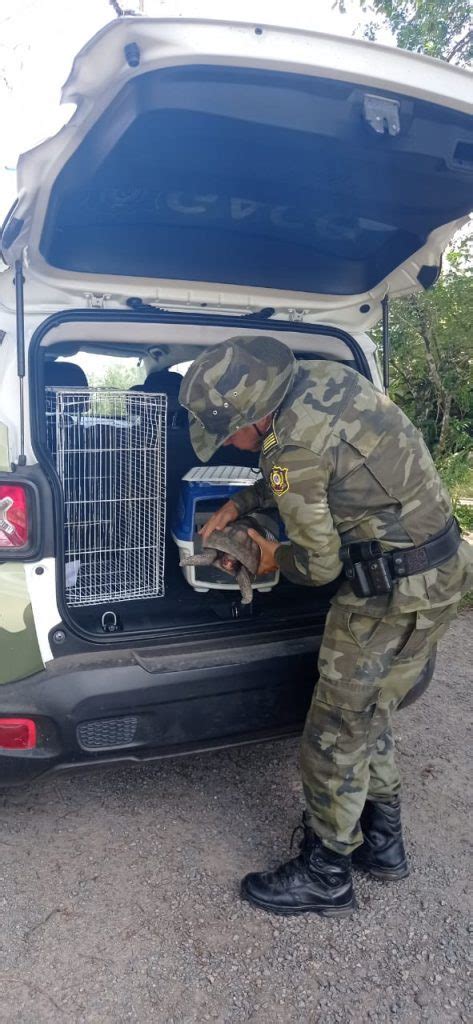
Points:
(432, 332)
(431, 371)
(438, 28)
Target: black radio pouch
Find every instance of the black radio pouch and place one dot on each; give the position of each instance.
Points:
(367, 568)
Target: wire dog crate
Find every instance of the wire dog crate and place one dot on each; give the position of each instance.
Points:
(109, 449)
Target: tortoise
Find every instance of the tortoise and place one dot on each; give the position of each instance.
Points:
(233, 551)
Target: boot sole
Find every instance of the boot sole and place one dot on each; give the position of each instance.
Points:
(382, 876)
(293, 911)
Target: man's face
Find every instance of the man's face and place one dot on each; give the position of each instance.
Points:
(246, 439)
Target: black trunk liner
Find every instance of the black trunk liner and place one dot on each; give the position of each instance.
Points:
(182, 606)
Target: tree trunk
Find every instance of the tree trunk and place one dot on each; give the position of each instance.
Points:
(445, 424)
(444, 400)
(433, 371)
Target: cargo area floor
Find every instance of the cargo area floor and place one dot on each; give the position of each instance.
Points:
(182, 607)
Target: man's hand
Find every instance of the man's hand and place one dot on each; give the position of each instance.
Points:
(219, 519)
(268, 548)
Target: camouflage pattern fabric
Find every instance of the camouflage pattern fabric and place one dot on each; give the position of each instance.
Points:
(342, 463)
(19, 651)
(366, 667)
(232, 385)
(20, 655)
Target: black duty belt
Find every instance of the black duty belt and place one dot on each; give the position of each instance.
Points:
(438, 549)
(372, 571)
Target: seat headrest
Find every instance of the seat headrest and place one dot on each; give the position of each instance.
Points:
(64, 375)
(163, 381)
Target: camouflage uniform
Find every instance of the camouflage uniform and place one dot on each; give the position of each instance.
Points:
(342, 463)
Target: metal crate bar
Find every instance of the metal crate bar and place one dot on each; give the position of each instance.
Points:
(109, 449)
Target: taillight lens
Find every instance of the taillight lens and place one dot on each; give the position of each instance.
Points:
(17, 733)
(13, 517)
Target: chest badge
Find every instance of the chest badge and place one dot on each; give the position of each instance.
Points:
(279, 480)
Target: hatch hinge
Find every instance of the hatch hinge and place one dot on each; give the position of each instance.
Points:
(96, 301)
(297, 316)
(382, 114)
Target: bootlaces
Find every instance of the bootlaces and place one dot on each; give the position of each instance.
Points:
(302, 863)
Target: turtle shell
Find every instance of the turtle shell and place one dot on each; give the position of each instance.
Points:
(234, 541)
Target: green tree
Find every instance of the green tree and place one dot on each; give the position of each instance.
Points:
(431, 332)
(118, 375)
(432, 358)
(439, 28)
(432, 370)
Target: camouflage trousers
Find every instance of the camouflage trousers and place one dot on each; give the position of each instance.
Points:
(366, 667)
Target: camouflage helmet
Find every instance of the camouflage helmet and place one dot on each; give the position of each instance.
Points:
(233, 384)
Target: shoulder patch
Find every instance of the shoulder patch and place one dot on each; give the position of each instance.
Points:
(279, 480)
(270, 442)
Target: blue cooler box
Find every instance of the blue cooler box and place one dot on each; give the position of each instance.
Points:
(203, 490)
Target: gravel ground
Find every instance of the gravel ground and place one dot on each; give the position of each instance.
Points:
(120, 890)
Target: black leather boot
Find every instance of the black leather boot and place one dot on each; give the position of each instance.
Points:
(318, 880)
(382, 853)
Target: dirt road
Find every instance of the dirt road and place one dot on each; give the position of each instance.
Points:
(119, 892)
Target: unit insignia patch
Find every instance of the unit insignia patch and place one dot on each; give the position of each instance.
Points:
(279, 480)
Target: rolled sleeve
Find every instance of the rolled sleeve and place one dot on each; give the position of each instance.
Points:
(259, 495)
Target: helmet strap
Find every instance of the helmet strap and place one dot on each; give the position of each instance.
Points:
(262, 433)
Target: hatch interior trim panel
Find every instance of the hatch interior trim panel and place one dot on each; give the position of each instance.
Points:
(256, 178)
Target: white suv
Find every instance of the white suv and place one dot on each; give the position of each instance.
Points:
(215, 179)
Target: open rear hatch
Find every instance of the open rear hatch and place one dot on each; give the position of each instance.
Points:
(242, 167)
(224, 168)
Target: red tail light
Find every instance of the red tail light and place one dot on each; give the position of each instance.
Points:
(13, 517)
(17, 733)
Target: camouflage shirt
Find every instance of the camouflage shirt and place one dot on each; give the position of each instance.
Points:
(342, 462)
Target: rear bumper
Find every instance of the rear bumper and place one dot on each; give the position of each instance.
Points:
(143, 705)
